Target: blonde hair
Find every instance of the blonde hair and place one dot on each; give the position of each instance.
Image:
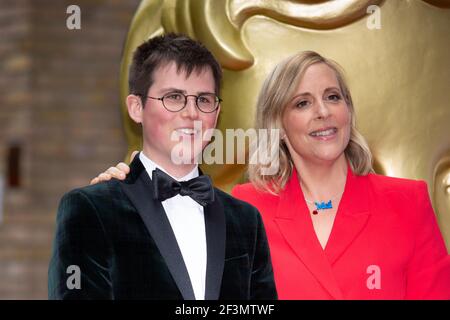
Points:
(277, 90)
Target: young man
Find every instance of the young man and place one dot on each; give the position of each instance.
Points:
(164, 232)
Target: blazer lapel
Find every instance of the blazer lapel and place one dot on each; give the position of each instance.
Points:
(352, 216)
(139, 190)
(215, 240)
(296, 226)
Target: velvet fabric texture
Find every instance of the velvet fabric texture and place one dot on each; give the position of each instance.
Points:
(122, 242)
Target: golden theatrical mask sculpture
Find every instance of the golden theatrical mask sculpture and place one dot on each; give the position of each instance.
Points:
(396, 55)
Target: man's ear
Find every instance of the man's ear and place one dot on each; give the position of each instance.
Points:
(217, 117)
(135, 108)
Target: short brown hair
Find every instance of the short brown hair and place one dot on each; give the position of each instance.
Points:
(188, 55)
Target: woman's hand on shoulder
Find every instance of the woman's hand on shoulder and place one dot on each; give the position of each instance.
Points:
(119, 172)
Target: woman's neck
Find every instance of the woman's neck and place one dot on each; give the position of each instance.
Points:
(322, 181)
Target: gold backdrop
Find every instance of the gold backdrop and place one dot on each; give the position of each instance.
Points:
(396, 54)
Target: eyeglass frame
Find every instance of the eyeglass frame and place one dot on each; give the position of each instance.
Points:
(218, 101)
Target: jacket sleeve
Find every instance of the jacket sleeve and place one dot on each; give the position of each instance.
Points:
(262, 280)
(428, 275)
(80, 263)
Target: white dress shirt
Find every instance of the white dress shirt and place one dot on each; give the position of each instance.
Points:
(187, 220)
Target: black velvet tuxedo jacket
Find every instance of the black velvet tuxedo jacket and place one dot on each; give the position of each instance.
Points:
(121, 240)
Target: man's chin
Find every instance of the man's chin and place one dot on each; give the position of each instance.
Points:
(186, 156)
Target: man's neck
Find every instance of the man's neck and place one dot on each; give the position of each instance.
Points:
(175, 170)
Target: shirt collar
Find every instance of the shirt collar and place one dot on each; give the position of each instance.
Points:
(150, 165)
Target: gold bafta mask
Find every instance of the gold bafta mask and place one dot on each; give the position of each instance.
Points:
(396, 55)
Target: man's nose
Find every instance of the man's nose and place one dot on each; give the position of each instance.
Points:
(191, 110)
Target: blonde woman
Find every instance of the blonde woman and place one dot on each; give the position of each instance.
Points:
(336, 230)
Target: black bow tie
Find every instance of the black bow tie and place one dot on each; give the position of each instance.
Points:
(199, 189)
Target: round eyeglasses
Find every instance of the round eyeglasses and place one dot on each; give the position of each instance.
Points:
(176, 101)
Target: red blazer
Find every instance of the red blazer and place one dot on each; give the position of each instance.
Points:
(385, 242)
